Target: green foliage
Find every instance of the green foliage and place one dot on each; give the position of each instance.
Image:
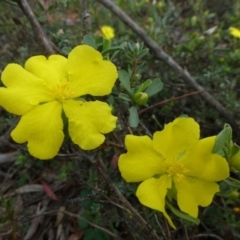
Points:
(93, 233)
(195, 34)
(182, 215)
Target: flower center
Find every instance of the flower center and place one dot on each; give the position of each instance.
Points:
(177, 170)
(61, 92)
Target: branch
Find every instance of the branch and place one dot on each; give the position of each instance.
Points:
(161, 55)
(42, 38)
(168, 100)
(85, 16)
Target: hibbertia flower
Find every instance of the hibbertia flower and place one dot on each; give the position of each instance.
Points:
(174, 164)
(48, 90)
(107, 32)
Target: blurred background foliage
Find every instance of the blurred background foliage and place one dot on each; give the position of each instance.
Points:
(196, 34)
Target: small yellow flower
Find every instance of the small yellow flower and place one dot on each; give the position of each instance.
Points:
(174, 159)
(107, 32)
(235, 32)
(47, 88)
(236, 209)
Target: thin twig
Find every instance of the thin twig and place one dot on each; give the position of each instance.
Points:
(145, 129)
(41, 37)
(85, 17)
(186, 232)
(161, 55)
(158, 223)
(168, 100)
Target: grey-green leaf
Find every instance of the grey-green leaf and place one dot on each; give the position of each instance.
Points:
(223, 138)
(155, 87)
(66, 50)
(232, 182)
(125, 80)
(133, 117)
(112, 49)
(124, 97)
(89, 40)
(183, 215)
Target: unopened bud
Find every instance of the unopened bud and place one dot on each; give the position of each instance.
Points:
(140, 98)
(234, 195)
(235, 161)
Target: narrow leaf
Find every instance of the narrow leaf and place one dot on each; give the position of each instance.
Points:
(223, 138)
(124, 97)
(183, 215)
(144, 85)
(232, 182)
(49, 191)
(112, 49)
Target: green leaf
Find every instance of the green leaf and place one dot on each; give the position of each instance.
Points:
(41, 5)
(155, 87)
(131, 47)
(232, 182)
(66, 50)
(93, 234)
(144, 85)
(106, 43)
(52, 8)
(234, 150)
(124, 78)
(133, 117)
(112, 49)
(143, 53)
(223, 139)
(182, 214)
(125, 97)
(89, 40)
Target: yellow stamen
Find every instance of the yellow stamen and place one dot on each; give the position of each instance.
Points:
(177, 170)
(60, 91)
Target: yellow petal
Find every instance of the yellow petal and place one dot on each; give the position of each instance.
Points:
(89, 73)
(176, 137)
(88, 121)
(141, 160)
(24, 90)
(152, 193)
(235, 32)
(42, 128)
(201, 163)
(192, 192)
(52, 70)
(108, 32)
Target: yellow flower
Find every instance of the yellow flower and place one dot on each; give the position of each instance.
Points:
(47, 89)
(235, 32)
(107, 32)
(174, 160)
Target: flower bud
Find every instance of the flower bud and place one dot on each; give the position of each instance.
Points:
(235, 161)
(140, 98)
(234, 195)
